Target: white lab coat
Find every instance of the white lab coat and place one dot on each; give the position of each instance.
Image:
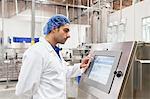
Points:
(43, 74)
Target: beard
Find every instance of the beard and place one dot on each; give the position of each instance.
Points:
(62, 41)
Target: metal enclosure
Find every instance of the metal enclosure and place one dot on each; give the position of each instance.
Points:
(141, 72)
(119, 84)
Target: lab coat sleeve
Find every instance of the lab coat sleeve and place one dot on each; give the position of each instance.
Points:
(29, 77)
(74, 71)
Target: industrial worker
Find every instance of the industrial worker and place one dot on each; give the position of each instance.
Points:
(44, 72)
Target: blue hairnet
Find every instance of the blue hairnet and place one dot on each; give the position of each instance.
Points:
(55, 22)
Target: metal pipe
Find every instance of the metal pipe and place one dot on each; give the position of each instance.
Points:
(2, 43)
(16, 5)
(99, 25)
(120, 10)
(67, 11)
(73, 9)
(60, 4)
(56, 10)
(3, 15)
(2, 32)
(79, 21)
(88, 37)
(88, 13)
(133, 3)
(33, 22)
(7, 62)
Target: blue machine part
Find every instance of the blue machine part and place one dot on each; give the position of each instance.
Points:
(24, 39)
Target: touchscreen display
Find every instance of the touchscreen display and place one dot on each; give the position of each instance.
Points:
(101, 69)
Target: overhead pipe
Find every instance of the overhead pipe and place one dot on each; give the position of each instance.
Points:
(60, 4)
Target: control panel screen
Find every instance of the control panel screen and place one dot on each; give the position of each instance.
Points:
(101, 69)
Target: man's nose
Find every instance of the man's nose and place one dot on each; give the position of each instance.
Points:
(68, 35)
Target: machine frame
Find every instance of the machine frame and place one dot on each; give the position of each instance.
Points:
(104, 87)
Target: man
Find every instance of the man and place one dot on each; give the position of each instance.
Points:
(43, 73)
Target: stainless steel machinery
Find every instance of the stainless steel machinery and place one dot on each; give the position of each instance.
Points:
(118, 71)
(109, 72)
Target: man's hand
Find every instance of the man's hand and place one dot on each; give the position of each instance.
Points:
(85, 62)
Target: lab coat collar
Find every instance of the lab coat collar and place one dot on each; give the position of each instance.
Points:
(49, 46)
(46, 43)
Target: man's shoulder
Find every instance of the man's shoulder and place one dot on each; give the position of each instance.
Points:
(35, 48)
(37, 45)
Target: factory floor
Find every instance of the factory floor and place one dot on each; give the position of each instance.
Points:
(8, 91)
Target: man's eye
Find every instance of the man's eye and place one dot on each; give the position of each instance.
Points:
(66, 30)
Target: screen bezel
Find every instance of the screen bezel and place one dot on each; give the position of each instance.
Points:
(107, 87)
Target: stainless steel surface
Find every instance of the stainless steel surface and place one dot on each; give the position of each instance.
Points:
(135, 64)
(144, 93)
(118, 85)
(142, 72)
(84, 95)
